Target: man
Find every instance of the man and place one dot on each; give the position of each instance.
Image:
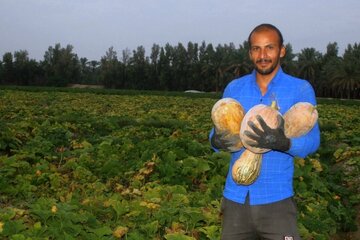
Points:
(265, 209)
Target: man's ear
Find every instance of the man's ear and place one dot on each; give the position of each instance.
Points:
(282, 51)
(250, 57)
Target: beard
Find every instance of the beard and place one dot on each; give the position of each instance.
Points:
(266, 71)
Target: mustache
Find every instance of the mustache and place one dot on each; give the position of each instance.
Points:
(263, 60)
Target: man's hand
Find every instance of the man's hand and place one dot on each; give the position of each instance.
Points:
(268, 137)
(226, 141)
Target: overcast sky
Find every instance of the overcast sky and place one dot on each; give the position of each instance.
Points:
(92, 26)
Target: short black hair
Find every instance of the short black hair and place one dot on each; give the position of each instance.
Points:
(267, 26)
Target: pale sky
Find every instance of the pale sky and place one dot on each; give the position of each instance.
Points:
(92, 26)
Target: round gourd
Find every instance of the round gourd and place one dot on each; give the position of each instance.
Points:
(300, 119)
(270, 116)
(247, 168)
(227, 115)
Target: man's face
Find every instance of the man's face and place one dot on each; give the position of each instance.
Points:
(265, 51)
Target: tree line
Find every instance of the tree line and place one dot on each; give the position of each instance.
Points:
(202, 67)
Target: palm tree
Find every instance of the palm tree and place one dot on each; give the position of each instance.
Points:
(309, 64)
(344, 73)
(287, 62)
(329, 59)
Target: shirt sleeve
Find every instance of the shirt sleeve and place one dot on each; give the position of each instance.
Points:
(310, 142)
(228, 90)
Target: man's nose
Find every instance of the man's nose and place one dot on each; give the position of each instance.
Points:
(263, 53)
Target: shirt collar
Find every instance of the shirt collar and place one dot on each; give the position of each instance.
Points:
(276, 78)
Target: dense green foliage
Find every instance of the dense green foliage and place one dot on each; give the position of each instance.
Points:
(202, 67)
(78, 165)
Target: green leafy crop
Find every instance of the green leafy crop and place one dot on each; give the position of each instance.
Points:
(91, 166)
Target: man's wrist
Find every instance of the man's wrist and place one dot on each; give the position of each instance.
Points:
(285, 146)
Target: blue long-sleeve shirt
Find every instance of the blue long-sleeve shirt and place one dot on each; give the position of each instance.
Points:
(275, 181)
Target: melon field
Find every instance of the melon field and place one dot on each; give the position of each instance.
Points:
(94, 165)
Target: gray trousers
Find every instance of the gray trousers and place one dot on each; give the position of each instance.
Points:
(275, 221)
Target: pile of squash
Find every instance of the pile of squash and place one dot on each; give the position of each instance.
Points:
(228, 116)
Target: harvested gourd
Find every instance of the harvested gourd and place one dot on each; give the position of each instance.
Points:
(227, 115)
(247, 168)
(300, 119)
(270, 116)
